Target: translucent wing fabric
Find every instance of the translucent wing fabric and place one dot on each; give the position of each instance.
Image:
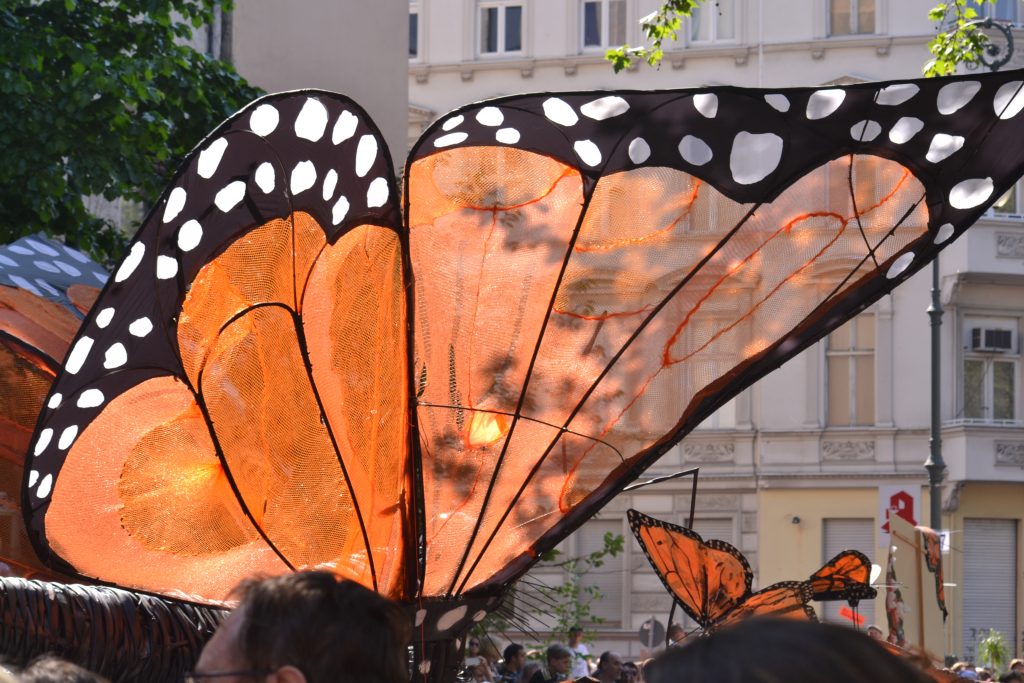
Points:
(711, 580)
(285, 372)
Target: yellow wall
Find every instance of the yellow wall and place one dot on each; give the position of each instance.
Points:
(992, 501)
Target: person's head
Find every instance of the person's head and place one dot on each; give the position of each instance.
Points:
(559, 659)
(676, 633)
(514, 656)
(481, 672)
(50, 669)
(529, 669)
(609, 666)
(763, 650)
(630, 673)
(473, 646)
(1012, 677)
(575, 636)
(308, 627)
(1017, 665)
(875, 632)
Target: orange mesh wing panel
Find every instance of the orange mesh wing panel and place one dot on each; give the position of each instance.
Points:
(847, 576)
(236, 403)
(784, 600)
(709, 579)
(594, 274)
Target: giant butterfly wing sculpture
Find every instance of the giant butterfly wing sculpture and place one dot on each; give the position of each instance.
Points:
(290, 369)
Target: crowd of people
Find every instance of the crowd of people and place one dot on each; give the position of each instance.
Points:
(311, 627)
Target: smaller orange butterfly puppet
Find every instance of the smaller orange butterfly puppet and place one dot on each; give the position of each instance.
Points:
(847, 576)
(711, 579)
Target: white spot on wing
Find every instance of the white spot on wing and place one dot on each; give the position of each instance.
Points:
(303, 177)
(450, 139)
(339, 211)
(898, 93)
(706, 104)
(450, 618)
(166, 267)
(559, 111)
(970, 193)
(900, 265)
(1009, 99)
(115, 356)
(905, 129)
(943, 146)
(822, 103)
(639, 151)
(377, 193)
(230, 195)
(46, 266)
(141, 327)
(453, 122)
(45, 437)
(19, 281)
(778, 101)
(43, 249)
(90, 398)
(209, 158)
(605, 108)
(54, 401)
(953, 96)
(44, 486)
(67, 268)
(67, 437)
(189, 235)
(33, 477)
(694, 150)
(588, 152)
(265, 177)
(344, 127)
(175, 203)
(311, 121)
(104, 317)
(754, 156)
(490, 116)
(865, 131)
(366, 154)
(79, 352)
(131, 262)
(263, 120)
(330, 183)
(508, 136)
(944, 232)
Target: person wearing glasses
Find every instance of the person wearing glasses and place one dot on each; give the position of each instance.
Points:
(308, 627)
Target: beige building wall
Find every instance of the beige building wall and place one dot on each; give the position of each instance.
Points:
(353, 47)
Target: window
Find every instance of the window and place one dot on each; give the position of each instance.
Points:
(989, 582)
(604, 23)
(850, 355)
(990, 369)
(1009, 205)
(851, 17)
(1003, 10)
(501, 28)
(414, 31)
(713, 21)
(609, 577)
(847, 534)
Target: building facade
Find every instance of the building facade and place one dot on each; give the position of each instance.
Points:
(806, 462)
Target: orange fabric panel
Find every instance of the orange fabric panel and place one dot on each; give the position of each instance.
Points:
(787, 600)
(83, 296)
(37, 322)
(269, 264)
(503, 234)
(844, 571)
(144, 477)
(354, 323)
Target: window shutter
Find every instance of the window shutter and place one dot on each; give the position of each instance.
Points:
(609, 577)
(989, 582)
(840, 535)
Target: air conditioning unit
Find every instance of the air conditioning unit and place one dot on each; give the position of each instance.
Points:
(991, 339)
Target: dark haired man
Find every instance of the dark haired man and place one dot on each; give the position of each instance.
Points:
(308, 627)
(513, 661)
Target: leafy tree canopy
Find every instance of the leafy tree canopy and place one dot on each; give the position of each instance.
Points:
(959, 39)
(101, 98)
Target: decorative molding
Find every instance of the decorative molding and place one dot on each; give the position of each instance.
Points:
(1009, 245)
(422, 76)
(717, 502)
(571, 68)
(741, 58)
(847, 450)
(1010, 453)
(817, 53)
(883, 50)
(678, 62)
(709, 451)
(467, 75)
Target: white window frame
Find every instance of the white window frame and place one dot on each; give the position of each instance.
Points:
(1014, 214)
(605, 13)
(502, 6)
(850, 355)
(712, 6)
(989, 359)
(989, 11)
(854, 19)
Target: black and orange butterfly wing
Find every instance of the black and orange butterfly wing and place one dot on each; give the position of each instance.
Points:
(214, 418)
(847, 576)
(609, 256)
(709, 579)
(784, 600)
